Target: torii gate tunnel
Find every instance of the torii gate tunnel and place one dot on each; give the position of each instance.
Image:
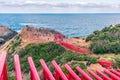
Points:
(58, 74)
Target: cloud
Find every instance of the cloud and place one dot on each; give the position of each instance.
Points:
(61, 6)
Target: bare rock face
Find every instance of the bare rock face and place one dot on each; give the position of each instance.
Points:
(37, 35)
(6, 34)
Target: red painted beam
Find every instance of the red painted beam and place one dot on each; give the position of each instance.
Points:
(72, 74)
(94, 75)
(104, 77)
(17, 68)
(113, 76)
(83, 74)
(3, 68)
(33, 72)
(59, 72)
(46, 72)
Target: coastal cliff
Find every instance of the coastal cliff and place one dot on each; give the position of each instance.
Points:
(28, 35)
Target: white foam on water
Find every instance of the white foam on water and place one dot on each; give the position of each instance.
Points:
(32, 24)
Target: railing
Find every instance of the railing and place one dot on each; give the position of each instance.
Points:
(58, 73)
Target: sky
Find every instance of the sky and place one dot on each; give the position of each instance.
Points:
(59, 6)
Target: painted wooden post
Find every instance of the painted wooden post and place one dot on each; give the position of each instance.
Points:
(59, 74)
(3, 68)
(17, 67)
(46, 72)
(104, 77)
(33, 72)
(72, 74)
(84, 76)
(94, 75)
(113, 76)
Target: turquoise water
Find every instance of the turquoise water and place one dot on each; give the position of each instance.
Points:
(71, 25)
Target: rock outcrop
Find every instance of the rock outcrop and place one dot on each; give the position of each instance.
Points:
(37, 35)
(6, 34)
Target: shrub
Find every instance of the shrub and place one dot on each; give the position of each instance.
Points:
(106, 40)
(116, 62)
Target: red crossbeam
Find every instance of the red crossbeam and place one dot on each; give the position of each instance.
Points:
(84, 76)
(94, 75)
(58, 72)
(46, 72)
(17, 67)
(113, 76)
(104, 77)
(3, 69)
(72, 74)
(33, 72)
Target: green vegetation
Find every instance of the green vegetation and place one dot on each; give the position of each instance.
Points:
(48, 52)
(14, 44)
(70, 56)
(45, 51)
(105, 41)
(74, 59)
(116, 62)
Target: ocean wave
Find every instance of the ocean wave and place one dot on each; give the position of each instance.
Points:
(32, 24)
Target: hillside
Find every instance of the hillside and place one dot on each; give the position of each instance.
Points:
(106, 40)
(39, 43)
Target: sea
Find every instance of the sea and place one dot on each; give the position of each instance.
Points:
(71, 25)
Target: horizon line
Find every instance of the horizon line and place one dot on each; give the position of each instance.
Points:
(65, 13)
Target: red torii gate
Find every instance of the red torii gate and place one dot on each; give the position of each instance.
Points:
(3, 69)
(58, 75)
(104, 77)
(72, 74)
(84, 76)
(46, 72)
(105, 63)
(58, 38)
(33, 72)
(58, 72)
